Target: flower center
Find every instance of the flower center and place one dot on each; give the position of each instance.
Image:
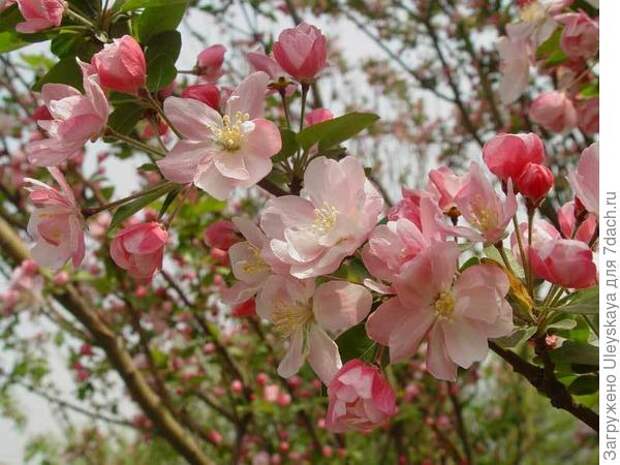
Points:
(444, 304)
(324, 218)
(230, 135)
(485, 218)
(255, 264)
(533, 12)
(288, 317)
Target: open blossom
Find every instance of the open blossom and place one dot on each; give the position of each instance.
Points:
(336, 211)
(121, 65)
(457, 317)
(408, 207)
(447, 185)
(56, 225)
(360, 398)
(24, 288)
(585, 179)
(220, 153)
(535, 24)
(301, 51)
(139, 249)
(565, 262)
(279, 79)
(209, 62)
(507, 155)
(40, 14)
(567, 221)
(76, 119)
(482, 207)
(306, 315)
(580, 35)
(554, 111)
(542, 231)
(515, 61)
(252, 263)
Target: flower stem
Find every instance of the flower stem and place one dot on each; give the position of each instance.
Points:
(88, 212)
(80, 18)
(282, 93)
(135, 143)
(524, 259)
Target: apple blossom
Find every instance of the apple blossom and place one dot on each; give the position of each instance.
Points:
(580, 35)
(588, 115)
(56, 225)
(304, 314)
(585, 179)
(568, 221)
(542, 231)
(301, 51)
(40, 14)
(447, 185)
(565, 262)
(507, 155)
(220, 153)
(481, 206)
(121, 65)
(336, 211)
(535, 182)
(205, 93)
(139, 249)
(515, 62)
(76, 119)
(360, 398)
(408, 207)
(554, 111)
(24, 288)
(456, 316)
(318, 115)
(209, 62)
(221, 234)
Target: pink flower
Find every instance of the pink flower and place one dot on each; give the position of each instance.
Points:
(584, 180)
(221, 153)
(318, 115)
(507, 155)
(209, 62)
(457, 317)
(252, 263)
(481, 206)
(121, 65)
(564, 262)
(515, 60)
(244, 309)
(221, 234)
(554, 111)
(139, 249)
(24, 289)
(40, 14)
(535, 182)
(567, 220)
(259, 61)
(56, 225)
(360, 398)
(447, 185)
(332, 218)
(301, 51)
(542, 231)
(205, 93)
(304, 314)
(76, 119)
(580, 35)
(588, 115)
(408, 207)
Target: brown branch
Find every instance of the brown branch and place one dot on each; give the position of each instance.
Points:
(546, 383)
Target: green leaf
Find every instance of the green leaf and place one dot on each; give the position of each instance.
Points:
(169, 199)
(161, 72)
(584, 385)
(289, 145)
(136, 4)
(10, 41)
(135, 206)
(590, 90)
(354, 343)
(492, 253)
(9, 18)
(159, 19)
(575, 352)
(66, 71)
(125, 117)
(471, 262)
(584, 302)
(166, 43)
(516, 338)
(334, 131)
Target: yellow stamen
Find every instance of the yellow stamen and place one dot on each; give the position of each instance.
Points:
(230, 135)
(324, 218)
(289, 317)
(444, 304)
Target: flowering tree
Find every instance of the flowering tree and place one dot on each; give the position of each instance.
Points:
(261, 294)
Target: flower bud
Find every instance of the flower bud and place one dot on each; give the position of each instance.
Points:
(301, 52)
(121, 65)
(535, 182)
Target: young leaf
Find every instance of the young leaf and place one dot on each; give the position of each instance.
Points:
(135, 206)
(66, 71)
(289, 145)
(155, 20)
(161, 72)
(334, 131)
(125, 117)
(575, 352)
(136, 4)
(584, 302)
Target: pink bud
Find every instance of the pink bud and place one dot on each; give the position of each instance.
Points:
(588, 115)
(507, 155)
(221, 234)
(209, 62)
(121, 65)
(205, 93)
(219, 256)
(262, 379)
(301, 52)
(580, 35)
(554, 111)
(139, 249)
(40, 14)
(236, 386)
(535, 182)
(564, 262)
(86, 350)
(317, 116)
(61, 278)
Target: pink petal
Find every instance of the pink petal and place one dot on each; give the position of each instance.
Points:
(338, 305)
(323, 357)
